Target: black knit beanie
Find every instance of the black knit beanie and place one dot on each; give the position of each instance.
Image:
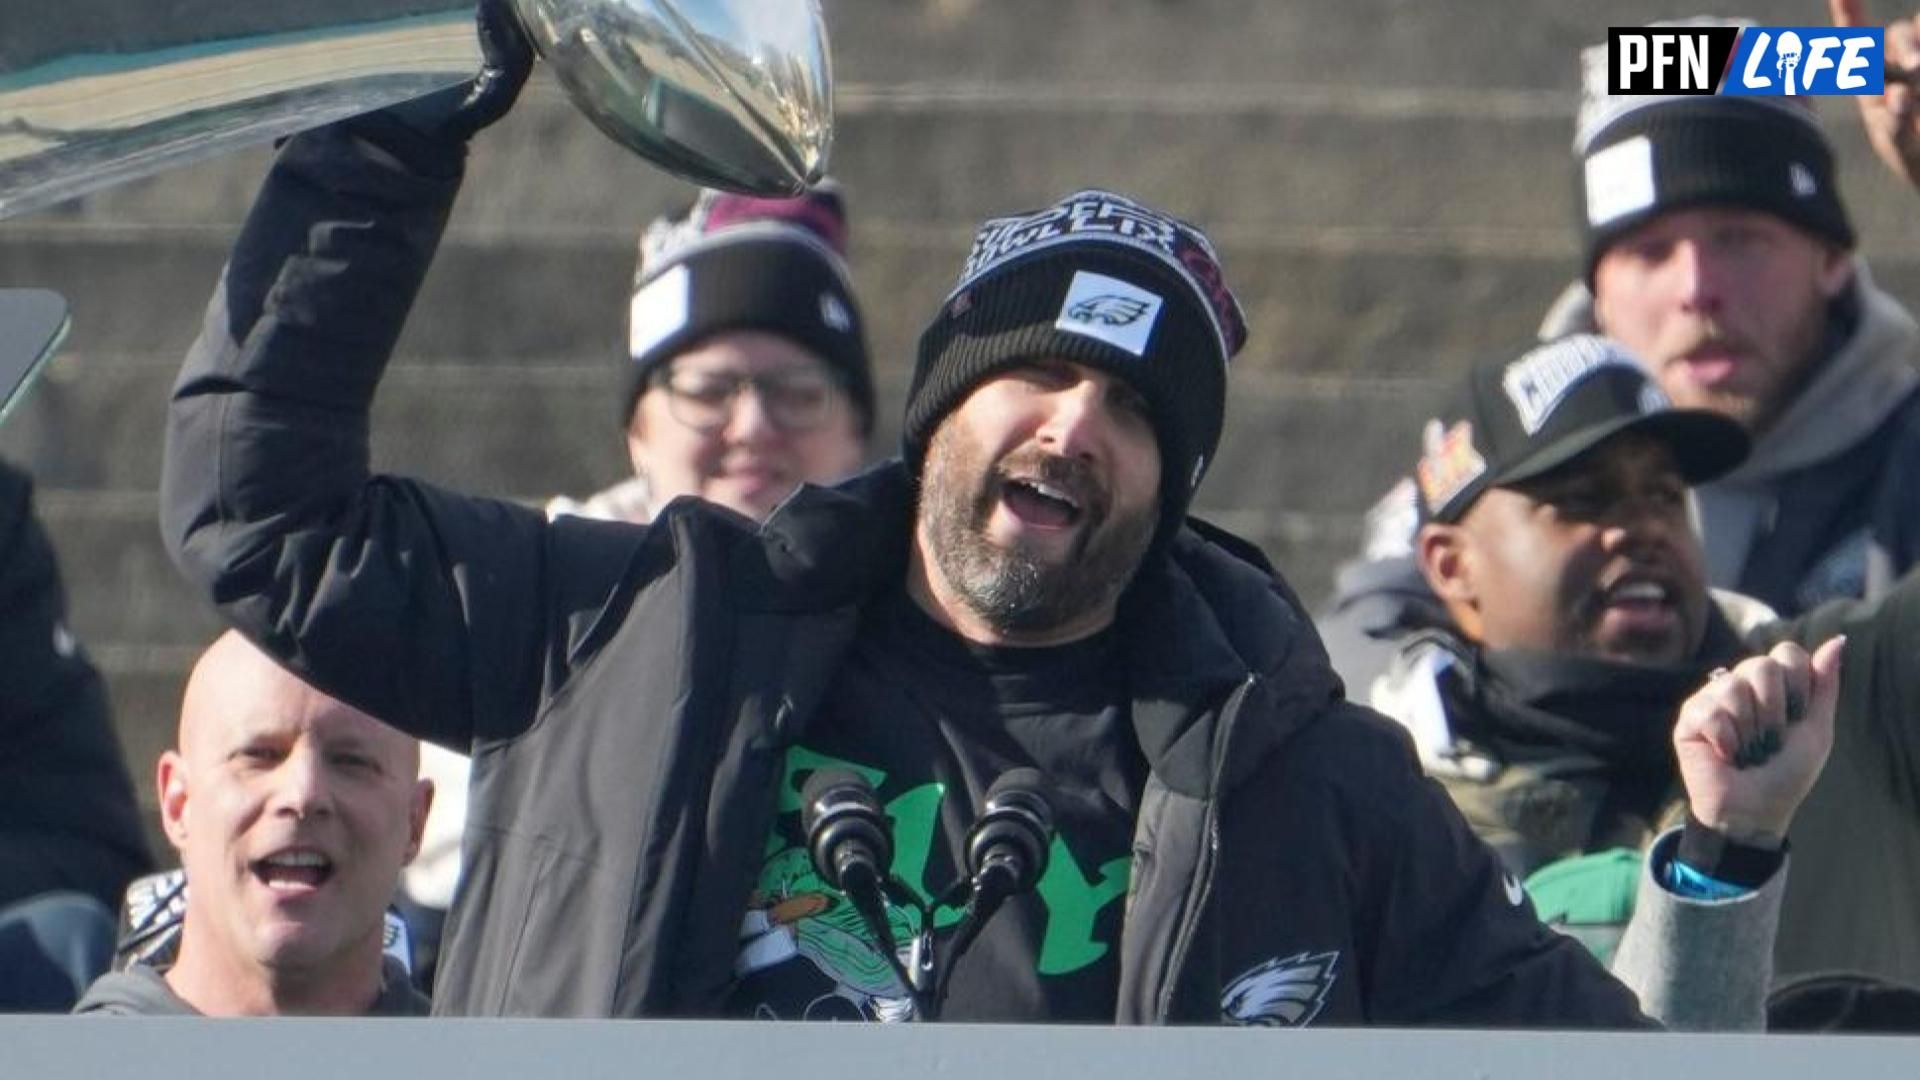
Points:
(737, 262)
(1101, 280)
(1640, 156)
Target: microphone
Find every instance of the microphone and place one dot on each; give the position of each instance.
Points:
(1006, 856)
(848, 835)
(851, 844)
(1007, 846)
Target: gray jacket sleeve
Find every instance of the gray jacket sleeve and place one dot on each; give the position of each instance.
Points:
(1700, 965)
(1879, 705)
(420, 606)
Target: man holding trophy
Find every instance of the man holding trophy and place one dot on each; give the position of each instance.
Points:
(994, 732)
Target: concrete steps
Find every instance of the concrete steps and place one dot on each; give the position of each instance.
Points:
(520, 401)
(1365, 303)
(1278, 156)
(1402, 43)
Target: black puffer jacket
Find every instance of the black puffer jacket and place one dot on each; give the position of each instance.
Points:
(67, 813)
(628, 692)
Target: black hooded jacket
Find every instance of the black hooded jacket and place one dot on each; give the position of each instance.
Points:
(68, 820)
(628, 692)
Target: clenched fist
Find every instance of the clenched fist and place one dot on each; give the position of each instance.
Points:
(1751, 742)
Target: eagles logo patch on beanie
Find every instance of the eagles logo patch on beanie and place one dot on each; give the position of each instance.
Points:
(1110, 310)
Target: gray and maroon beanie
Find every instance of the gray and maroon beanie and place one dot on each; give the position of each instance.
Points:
(1101, 280)
(1642, 155)
(740, 262)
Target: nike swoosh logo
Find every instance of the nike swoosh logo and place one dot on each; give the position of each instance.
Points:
(1515, 894)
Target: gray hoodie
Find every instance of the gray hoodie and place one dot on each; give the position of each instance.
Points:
(142, 990)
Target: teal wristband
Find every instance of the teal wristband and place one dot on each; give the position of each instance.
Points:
(1685, 881)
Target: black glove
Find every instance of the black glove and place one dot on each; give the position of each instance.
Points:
(430, 133)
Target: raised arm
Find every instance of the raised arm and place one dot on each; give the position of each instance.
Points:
(1891, 120)
(1750, 744)
(423, 607)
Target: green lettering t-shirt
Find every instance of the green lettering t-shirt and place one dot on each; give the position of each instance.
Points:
(932, 721)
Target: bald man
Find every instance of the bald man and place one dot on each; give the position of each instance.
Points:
(293, 814)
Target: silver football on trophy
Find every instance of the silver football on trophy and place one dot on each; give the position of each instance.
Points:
(727, 93)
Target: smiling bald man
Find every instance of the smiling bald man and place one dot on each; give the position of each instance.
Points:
(293, 813)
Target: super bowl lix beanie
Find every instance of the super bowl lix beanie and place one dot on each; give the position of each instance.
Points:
(1102, 280)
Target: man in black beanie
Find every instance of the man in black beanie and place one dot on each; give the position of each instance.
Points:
(1718, 249)
(1018, 626)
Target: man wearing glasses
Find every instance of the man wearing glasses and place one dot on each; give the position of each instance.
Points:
(750, 373)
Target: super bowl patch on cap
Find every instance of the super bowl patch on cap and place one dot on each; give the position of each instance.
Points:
(1110, 310)
(1449, 462)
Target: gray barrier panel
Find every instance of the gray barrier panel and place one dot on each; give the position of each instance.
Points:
(57, 1048)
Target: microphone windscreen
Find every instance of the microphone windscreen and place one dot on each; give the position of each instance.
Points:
(845, 824)
(827, 787)
(1022, 790)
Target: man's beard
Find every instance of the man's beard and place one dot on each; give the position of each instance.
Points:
(1784, 370)
(1014, 589)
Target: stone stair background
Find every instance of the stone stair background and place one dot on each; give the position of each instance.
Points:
(1389, 183)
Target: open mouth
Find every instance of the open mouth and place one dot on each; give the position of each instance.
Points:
(1639, 595)
(1638, 607)
(297, 869)
(1712, 365)
(1041, 504)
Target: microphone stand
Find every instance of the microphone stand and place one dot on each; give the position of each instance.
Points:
(851, 845)
(985, 892)
(928, 967)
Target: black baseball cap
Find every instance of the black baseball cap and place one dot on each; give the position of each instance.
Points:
(1524, 418)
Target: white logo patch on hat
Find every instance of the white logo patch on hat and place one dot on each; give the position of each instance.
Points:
(1801, 177)
(834, 313)
(1114, 311)
(659, 309)
(1620, 180)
